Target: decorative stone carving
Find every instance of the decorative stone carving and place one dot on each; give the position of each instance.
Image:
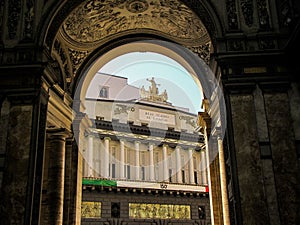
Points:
(14, 11)
(64, 60)
(1, 13)
(235, 45)
(266, 43)
(263, 14)
(29, 15)
(231, 15)
(152, 94)
(247, 10)
(95, 20)
(189, 120)
(203, 51)
(122, 108)
(77, 57)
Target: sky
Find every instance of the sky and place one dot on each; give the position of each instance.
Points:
(170, 75)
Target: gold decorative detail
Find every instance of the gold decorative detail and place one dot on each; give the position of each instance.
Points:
(160, 211)
(91, 209)
(77, 57)
(94, 20)
(255, 70)
(137, 6)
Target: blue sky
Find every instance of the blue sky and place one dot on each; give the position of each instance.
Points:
(138, 66)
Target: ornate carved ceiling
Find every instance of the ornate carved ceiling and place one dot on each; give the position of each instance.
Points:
(95, 22)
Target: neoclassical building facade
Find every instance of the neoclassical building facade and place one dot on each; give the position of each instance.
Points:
(145, 149)
(241, 52)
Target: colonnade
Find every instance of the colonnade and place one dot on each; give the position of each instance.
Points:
(143, 161)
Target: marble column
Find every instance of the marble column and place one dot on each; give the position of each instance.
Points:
(178, 165)
(90, 155)
(151, 162)
(165, 163)
(191, 166)
(203, 167)
(56, 173)
(137, 160)
(225, 207)
(106, 157)
(122, 159)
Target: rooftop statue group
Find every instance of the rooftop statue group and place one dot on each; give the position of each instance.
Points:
(153, 94)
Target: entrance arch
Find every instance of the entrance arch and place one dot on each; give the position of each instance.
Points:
(196, 67)
(88, 32)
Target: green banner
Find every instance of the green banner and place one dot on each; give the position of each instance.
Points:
(99, 182)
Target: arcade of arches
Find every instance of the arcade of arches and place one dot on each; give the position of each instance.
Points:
(51, 49)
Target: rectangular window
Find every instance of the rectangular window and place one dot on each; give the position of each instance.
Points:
(128, 172)
(183, 176)
(113, 170)
(143, 173)
(170, 175)
(195, 177)
(103, 93)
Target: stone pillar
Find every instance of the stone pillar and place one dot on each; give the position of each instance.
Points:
(203, 167)
(90, 159)
(249, 165)
(122, 159)
(205, 124)
(151, 161)
(178, 165)
(56, 174)
(23, 144)
(106, 158)
(137, 160)
(283, 154)
(191, 166)
(69, 184)
(225, 209)
(165, 163)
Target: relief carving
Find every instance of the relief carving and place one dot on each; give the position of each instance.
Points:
(64, 60)
(263, 14)
(2, 13)
(95, 20)
(29, 15)
(235, 45)
(203, 51)
(14, 11)
(266, 43)
(231, 15)
(77, 58)
(247, 10)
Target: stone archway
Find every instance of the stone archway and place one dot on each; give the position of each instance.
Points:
(92, 29)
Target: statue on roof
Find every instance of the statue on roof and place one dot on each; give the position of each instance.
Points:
(153, 87)
(152, 94)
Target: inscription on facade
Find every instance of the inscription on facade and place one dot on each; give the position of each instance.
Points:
(152, 116)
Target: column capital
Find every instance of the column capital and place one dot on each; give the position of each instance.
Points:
(204, 121)
(107, 138)
(61, 133)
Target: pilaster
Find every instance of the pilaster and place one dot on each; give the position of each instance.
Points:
(23, 145)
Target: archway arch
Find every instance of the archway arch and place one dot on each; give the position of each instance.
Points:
(118, 28)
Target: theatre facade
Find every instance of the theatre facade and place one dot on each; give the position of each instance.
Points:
(144, 158)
